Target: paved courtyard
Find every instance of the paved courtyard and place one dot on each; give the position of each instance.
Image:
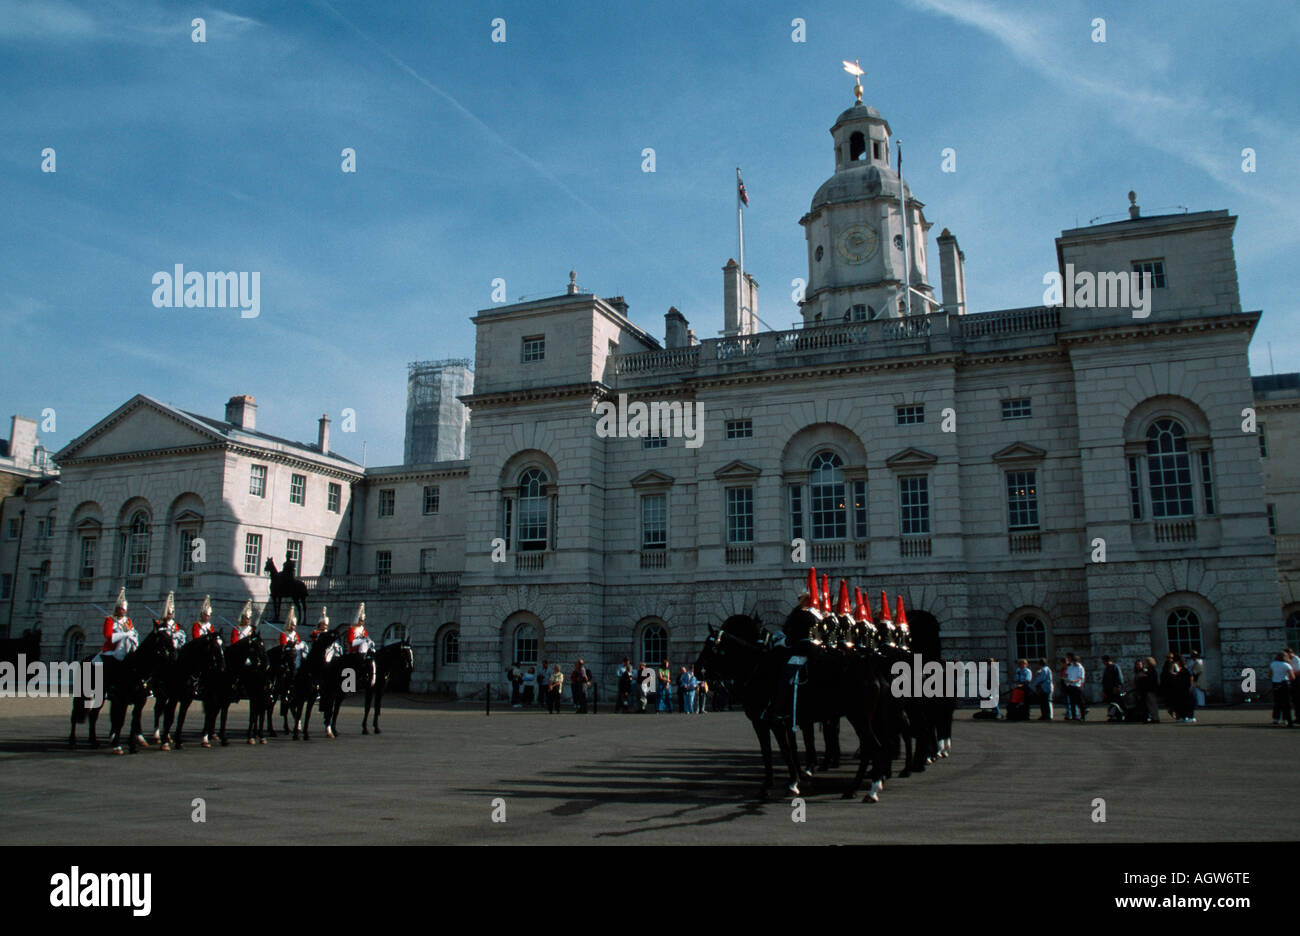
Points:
(434, 773)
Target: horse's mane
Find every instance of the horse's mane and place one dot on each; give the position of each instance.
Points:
(800, 624)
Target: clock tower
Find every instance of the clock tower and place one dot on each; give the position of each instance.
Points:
(855, 230)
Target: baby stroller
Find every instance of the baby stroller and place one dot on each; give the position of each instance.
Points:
(1126, 709)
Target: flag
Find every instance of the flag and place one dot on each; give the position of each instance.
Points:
(740, 189)
(853, 68)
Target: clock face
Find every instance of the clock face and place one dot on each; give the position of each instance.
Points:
(857, 243)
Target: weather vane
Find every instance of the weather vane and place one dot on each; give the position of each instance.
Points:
(856, 70)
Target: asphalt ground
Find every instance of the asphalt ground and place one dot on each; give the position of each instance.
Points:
(440, 772)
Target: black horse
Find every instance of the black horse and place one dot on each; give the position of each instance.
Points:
(243, 677)
(177, 685)
(125, 684)
(285, 584)
(345, 675)
(279, 686)
(307, 681)
(395, 658)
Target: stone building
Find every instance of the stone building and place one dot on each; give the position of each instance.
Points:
(1080, 475)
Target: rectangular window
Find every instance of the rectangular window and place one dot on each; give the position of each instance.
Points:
(331, 558)
(654, 521)
(428, 559)
(740, 428)
(298, 489)
(1021, 408)
(534, 349)
(1155, 267)
(387, 498)
(1272, 520)
(860, 510)
(293, 553)
(914, 505)
(796, 511)
(42, 527)
(1207, 483)
(257, 480)
(1263, 441)
(1134, 488)
(89, 544)
(506, 510)
(740, 515)
(13, 527)
(252, 553)
(859, 313)
(1022, 500)
(431, 498)
(654, 442)
(910, 415)
(6, 585)
(334, 494)
(186, 564)
(384, 561)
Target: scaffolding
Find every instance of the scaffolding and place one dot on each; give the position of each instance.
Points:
(437, 422)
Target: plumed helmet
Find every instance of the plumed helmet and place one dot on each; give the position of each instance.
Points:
(206, 608)
(121, 599)
(324, 618)
(246, 611)
(292, 620)
(169, 605)
(361, 613)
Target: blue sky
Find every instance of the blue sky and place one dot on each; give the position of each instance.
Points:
(523, 160)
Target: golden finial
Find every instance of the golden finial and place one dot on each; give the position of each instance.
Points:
(853, 68)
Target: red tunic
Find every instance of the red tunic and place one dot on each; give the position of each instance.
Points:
(200, 628)
(285, 638)
(110, 629)
(355, 632)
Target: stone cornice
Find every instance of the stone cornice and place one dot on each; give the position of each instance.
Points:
(432, 474)
(592, 388)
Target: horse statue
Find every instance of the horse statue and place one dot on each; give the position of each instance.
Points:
(285, 584)
(390, 660)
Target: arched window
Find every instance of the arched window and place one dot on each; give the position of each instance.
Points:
(857, 145)
(1031, 638)
(1169, 470)
(1184, 630)
(136, 544)
(533, 510)
(74, 644)
(1293, 631)
(527, 645)
(449, 651)
(394, 633)
(654, 644)
(827, 500)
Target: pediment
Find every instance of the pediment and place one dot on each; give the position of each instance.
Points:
(911, 458)
(1019, 451)
(139, 425)
(652, 478)
(189, 516)
(737, 470)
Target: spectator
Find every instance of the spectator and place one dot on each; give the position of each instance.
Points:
(556, 690)
(1018, 710)
(543, 683)
(1283, 680)
(1197, 667)
(516, 677)
(664, 680)
(625, 674)
(1293, 659)
(689, 684)
(1112, 681)
(1061, 664)
(702, 698)
(1075, 710)
(1166, 685)
(529, 681)
(1147, 685)
(579, 680)
(1043, 686)
(1180, 688)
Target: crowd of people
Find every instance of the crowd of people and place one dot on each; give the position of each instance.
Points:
(641, 688)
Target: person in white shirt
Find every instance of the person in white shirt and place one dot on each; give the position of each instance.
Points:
(1283, 679)
(1075, 709)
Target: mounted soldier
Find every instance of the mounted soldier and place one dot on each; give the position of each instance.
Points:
(244, 629)
(204, 624)
(120, 636)
(168, 623)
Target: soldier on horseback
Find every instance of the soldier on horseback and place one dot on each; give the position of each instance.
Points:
(204, 624)
(359, 642)
(167, 622)
(244, 628)
(292, 641)
(120, 636)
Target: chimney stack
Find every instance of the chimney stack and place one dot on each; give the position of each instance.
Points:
(739, 315)
(1134, 212)
(323, 434)
(241, 411)
(675, 329)
(952, 273)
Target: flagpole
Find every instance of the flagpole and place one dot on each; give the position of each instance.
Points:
(740, 230)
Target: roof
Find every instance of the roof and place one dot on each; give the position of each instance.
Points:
(859, 111)
(856, 183)
(1275, 382)
(236, 434)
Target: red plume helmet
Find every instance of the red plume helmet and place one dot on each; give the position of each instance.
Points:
(884, 608)
(813, 600)
(843, 608)
(826, 594)
(900, 618)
